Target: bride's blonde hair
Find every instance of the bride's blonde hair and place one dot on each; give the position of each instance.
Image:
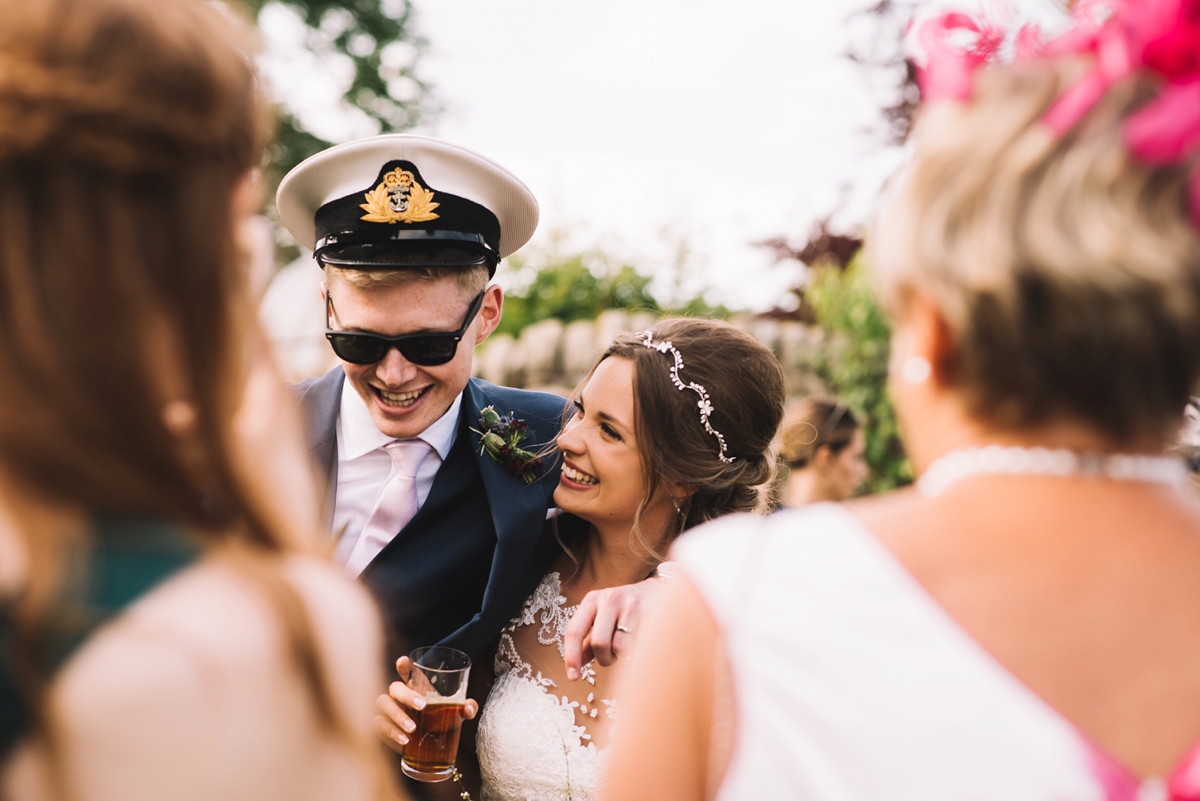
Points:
(1068, 272)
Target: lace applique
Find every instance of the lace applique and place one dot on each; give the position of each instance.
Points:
(547, 609)
(546, 606)
(507, 660)
(527, 714)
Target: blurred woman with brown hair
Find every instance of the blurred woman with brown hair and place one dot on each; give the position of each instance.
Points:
(163, 631)
(1024, 624)
(822, 447)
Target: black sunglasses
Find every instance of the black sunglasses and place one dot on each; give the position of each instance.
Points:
(424, 349)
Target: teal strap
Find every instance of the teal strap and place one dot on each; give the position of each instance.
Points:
(124, 559)
(13, 712)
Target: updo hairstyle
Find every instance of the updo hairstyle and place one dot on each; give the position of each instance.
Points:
(814, 423)
(745, 385)
(1067, 271)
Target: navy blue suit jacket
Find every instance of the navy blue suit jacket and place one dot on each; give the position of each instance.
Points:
(478, 546)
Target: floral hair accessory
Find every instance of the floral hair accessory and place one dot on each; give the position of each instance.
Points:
(950, 62)
(1126, 37)
(706, 408)
(501, 438)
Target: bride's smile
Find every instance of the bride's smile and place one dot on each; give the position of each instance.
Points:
(603, 480)
(573, 478)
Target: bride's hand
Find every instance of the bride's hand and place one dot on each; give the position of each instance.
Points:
(393, 723)
(602, 627)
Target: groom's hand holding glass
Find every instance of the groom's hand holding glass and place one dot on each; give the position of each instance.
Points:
(601, 629)
(393, 722)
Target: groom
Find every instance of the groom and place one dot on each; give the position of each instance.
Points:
(449, 539)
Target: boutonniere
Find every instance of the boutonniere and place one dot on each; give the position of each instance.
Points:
(501, 439)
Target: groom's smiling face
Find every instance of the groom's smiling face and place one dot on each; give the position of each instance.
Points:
(405, 398)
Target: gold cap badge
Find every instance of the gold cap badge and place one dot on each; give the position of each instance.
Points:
(399, 198)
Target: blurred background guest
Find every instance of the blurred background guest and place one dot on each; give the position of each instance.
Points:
(1188, 445)
(822, 446)
(1025, 624)
(164, 630)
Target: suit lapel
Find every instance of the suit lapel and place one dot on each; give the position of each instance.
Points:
(518, 512)
(321, 401)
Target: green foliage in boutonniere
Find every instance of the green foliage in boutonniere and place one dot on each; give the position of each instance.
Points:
(501, 439)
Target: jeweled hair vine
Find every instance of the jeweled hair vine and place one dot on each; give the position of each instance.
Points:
(646, 338)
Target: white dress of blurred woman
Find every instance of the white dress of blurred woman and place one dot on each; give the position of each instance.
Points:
(167, 627)
(1024, 625)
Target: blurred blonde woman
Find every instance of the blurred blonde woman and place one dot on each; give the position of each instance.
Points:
(165, 629)
(822, 446)
(1025, 623)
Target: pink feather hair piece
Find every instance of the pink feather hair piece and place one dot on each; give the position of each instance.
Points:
(1124, 37)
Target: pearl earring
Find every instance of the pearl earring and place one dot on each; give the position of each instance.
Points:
(179, 416)
(916, 370)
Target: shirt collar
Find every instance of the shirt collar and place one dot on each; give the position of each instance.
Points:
(359, 435)
(441, 434)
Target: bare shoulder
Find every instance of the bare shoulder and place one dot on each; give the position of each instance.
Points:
(886, 508)
(894, 517)
(347, 625)
(224, 615)
(341, 609)
(201, 673)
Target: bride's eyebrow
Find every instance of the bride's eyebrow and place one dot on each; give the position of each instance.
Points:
(605, 417)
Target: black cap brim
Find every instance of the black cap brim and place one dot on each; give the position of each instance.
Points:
(406, 250)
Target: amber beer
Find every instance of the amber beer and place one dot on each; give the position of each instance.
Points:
(439, 674)
(434, 743)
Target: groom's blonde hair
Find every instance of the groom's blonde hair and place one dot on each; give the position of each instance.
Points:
(471, 280)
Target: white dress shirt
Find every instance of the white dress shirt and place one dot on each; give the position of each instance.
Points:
(364, 467)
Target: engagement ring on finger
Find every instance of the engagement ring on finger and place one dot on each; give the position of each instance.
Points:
(625, 629)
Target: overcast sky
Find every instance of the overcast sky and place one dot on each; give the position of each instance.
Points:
(643, 126)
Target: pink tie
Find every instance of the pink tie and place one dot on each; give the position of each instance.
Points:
(397, 503)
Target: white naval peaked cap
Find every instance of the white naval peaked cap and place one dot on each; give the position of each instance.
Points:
(350, 170)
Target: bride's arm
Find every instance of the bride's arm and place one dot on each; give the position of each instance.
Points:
(666, 697)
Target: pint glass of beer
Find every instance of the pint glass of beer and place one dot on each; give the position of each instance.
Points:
(440, 675)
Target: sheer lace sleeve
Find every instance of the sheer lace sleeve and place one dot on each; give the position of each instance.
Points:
(538, 731)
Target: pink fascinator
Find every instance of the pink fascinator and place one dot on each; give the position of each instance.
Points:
(954, 46)
(1125, 37)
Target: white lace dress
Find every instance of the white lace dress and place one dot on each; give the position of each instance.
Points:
(538, 733)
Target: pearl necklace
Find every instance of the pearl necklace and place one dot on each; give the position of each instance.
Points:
(1013, 461)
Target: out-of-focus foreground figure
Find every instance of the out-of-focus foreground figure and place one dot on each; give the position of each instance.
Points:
(163, 632)
(822, 446)
(1025, 623)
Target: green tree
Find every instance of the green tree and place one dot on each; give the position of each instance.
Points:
(363, 31)
(573, 286)
(854, 364)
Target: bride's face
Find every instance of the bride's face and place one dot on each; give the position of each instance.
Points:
(603, 478)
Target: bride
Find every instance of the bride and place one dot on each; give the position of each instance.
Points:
(672, 428)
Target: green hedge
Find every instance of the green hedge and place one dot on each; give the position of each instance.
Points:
(854, 364)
